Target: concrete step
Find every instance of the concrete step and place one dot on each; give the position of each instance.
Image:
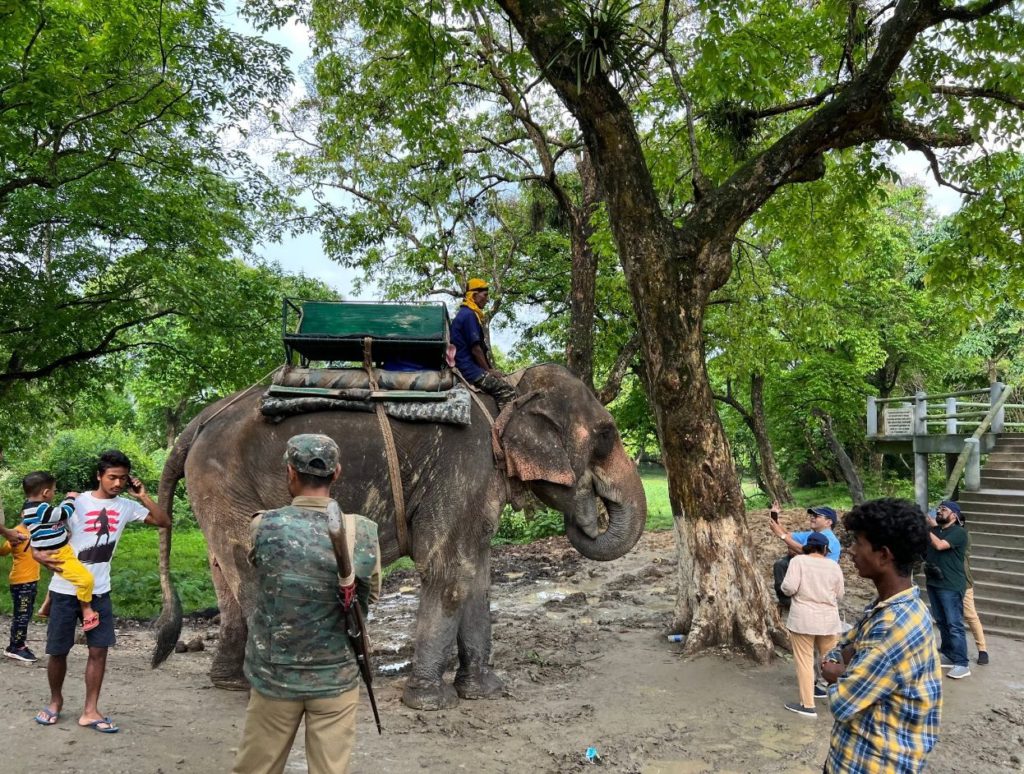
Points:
(992, 521)
(1001, 499)
(1004, 466)
(1003, 578)
(1003, 623)
(1001, 481)
(988, 551)
(1004, 539)
(1001, 632)
(998, 591)
(997, 606)
(1005, 456)
(1000, 563)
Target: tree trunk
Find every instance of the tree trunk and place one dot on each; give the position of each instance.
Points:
(579, 347)
(777, 488)
(723, 599)
(845, 463)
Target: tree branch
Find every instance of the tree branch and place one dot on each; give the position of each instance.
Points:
(975, 92)
(102, 348)
(962, 13)
(610, 389)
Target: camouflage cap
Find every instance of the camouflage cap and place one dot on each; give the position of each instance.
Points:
(316, 455)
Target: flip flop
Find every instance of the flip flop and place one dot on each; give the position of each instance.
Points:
(95, 726)
(90, 622)
(46, 718)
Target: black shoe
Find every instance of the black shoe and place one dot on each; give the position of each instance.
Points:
(800, 709)
(983, 657)
(21, 654)
(820, 692)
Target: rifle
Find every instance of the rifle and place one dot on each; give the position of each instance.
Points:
(355, 626)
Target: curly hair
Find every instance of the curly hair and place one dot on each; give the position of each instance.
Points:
(899, 525)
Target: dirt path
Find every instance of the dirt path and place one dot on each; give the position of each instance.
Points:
(580, 646)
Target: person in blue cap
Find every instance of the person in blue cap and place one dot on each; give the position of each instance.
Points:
(821, 519)
(946, 582)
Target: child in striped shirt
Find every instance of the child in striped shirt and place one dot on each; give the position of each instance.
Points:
(48, 531)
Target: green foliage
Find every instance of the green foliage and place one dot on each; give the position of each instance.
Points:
(71, 457)
(603, 40)
(135, 582)
(109, 146)
(519, 527)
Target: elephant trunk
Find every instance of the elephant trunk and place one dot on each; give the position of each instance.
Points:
(615, 482)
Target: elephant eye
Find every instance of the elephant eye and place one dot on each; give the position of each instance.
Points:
(604, 440)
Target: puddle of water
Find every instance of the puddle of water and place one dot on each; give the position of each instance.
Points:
(394, 669)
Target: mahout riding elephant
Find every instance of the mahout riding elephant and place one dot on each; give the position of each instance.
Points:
(558, 442)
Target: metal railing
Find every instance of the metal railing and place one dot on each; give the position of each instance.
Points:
(970, 458)
(918, 414)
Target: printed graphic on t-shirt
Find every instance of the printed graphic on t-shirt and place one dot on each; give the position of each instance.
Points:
(103, 524)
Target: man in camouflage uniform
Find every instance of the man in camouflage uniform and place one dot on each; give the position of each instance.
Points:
(298, 657)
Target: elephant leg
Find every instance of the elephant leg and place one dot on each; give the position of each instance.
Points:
(437, 622)
(226, 670)
(475, 679)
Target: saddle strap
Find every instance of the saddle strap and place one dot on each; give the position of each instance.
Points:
(394, 472)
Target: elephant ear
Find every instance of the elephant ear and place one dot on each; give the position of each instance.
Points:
(533, 443)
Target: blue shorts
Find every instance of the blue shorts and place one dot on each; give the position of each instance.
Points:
(66, 615)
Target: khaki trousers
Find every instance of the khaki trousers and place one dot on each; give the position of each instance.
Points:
(972, 620)
(804, 646)
(271, 725)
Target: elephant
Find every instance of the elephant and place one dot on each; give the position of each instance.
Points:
(558, 442)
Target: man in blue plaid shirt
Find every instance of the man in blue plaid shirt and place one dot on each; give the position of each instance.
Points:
(885, 682)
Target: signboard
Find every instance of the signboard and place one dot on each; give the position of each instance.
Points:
(898, 421)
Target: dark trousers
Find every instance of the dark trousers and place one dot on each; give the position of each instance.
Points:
(23, 595)
(948, 612)
(502, 392)
(779, 570)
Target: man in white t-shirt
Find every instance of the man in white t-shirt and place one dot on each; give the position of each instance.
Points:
(96, 526)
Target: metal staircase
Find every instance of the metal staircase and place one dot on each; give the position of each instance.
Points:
(994, 516)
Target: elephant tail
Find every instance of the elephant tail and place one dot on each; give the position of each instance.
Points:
(168, 625)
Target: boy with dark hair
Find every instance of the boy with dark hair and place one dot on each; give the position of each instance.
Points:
(47, 526)
(885, 684)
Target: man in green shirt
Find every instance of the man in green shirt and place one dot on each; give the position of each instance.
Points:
(297, 656)
(946, 581)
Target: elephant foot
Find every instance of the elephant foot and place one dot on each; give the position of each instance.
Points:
(479, 684)
(230, 682)
(427, 695)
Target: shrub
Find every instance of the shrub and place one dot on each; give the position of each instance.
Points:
(519, 527)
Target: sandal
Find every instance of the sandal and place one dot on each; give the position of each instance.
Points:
(103, 725)
(45, 717)
(90, 622)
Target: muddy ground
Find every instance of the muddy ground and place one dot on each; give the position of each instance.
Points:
(582, 649)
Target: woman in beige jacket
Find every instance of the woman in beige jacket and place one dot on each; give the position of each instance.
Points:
(815, 585)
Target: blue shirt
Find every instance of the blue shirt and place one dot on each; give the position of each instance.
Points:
(466, 332)
(834, 546)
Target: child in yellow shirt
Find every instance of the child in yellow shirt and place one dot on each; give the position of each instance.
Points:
(24, 580)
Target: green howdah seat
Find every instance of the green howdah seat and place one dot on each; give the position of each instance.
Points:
(415, 335)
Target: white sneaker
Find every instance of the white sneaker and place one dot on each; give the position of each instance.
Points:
(959, 672)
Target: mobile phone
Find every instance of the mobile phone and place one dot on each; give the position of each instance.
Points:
(774, 515)
(133, 485)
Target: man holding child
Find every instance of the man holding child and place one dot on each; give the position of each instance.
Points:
(96, 525)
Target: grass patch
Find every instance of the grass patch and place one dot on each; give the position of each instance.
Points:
(135, 575)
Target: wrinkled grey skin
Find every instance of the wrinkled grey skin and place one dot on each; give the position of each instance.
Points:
(562, 440)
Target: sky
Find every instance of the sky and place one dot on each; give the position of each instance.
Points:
(304, 253)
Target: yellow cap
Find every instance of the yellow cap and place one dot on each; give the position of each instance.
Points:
(476, 284)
